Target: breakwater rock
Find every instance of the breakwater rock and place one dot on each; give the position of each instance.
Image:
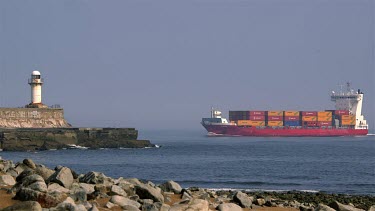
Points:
(30, 139)
(36, 187)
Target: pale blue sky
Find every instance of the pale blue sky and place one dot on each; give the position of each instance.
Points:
(163, 64)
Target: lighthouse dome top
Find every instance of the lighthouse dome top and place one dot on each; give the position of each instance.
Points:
(35, 72)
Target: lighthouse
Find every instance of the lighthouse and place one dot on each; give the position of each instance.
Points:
(36, 83)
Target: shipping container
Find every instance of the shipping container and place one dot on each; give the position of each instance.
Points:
(326, 123)
(257, 118)
(324, 114)
(291, 113)
(347, 117)
(275, 113)
(291, 118)
(257, 113)
(275, 123)
(309, 113)
(250, 123)
(324, 118)
(309, 118)
(341, 112)
(292, 123)
(348, 122)
(310, 123)
(275, 118)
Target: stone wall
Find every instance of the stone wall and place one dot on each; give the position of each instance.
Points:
(33, 118)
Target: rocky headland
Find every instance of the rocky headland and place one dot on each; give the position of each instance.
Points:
(30, 186)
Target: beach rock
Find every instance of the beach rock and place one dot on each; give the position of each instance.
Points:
(133, 181)
(24, 206)
(186, 196)
(20, 167)
(122, 201)
(229, 207)
(38, 186)
(372, 208)
(117, 190)
(194, 204)
(79, 195)
(242, 199)
(130, 208)
(44, 171)
(68, 204)
(260, 201)
(342, 207)
(165, 207)
(93, 208)
(89, 188)
(12, 172)
(93, 177)
(148, 192)
(54, 187)
(5, 165)
(6, 180)
(24, 174)
(109, 205)
(322, 207)
(45, 199)
(62, 176)
(30, 163)
(28, 180)
(171, 186)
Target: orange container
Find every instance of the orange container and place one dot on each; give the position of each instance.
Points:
(348, 122)
(324, 118)
(250, 123)
(309, 118)
(348, 117)
(275, 123)
(275, 113)
(324, 114)
(291, 113)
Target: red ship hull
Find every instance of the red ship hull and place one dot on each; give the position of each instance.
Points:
(233, 130)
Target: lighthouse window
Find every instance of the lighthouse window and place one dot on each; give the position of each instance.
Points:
(36, 76)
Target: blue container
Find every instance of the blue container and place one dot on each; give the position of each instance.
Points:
(292, 123)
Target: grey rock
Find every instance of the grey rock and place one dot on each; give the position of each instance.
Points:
(322, 207)
(186, 196)
(165, 207)
(133, 181)
(45, 199)
(5, 165)
(7, 180)
(148, 192)
(44, 171)
(12, 172)
(242, 199)
(93, 208)
(260, 201)
(306, 208)
(38, 186)
(29, 163)
(171, 186)
(194, 204)
(130, 208)
(89, 188)
(372, 208)
(117, 190)
(79, 195)
(342, 207)
(70, 205)
(54, 187)
(122, 201)
(24, 174)
(26, 181)
(20, 167)
(63, 176)
(151, 206)
(24, 206)
(229, 207)
(100, 188)
(93, 178)
(109, 205)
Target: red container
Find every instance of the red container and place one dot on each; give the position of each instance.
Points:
(310, 123)
(257, 118)
(327, 123)
(257, 113)
(309, 113)
(341, 112)
(275, 118)
(291, 118)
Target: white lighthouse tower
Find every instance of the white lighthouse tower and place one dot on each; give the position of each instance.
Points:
(36, 83)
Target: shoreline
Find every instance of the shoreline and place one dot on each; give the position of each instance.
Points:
(62, 187)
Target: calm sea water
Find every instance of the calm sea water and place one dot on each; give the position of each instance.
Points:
(338, 165)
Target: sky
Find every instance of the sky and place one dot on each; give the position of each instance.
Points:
(162, 64)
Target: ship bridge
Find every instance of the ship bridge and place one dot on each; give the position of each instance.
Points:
(352, 101)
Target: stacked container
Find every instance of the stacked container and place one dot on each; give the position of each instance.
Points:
(275, 118)
(310, 118)
(292, 118)
(325, 118)
(248, 118)
(347, 120)
(239, 115)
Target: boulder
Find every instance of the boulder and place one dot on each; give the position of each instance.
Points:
(45, 199)
(89, 188)
(78, 195)
(148, 192)
(63, 177)
(130, 208)
(38, 186)
(242, 199)
(7, 180)
(28, 180)
(342, 207)
(5, 165)
(93, 208)
(68, 204)
(194, 204)
(12, 172)
(260, 201)
(322, 207)
(24, 174)
(20, 167)
(24, 206)
(29, 163)
(93, 177)
(372, 208)
(54, 187)
(229, 207)
(117, 190)
(44, 171)
(122, 201)
(171, 186)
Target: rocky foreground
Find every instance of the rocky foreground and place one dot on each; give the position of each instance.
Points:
(36, 187)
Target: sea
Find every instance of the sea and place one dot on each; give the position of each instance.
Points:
(191, 158)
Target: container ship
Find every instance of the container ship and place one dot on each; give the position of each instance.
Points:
(345, 120)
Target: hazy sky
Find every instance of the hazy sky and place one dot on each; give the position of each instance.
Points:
(163, 64)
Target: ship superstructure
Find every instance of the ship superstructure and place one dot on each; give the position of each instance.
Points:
(346, 120)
